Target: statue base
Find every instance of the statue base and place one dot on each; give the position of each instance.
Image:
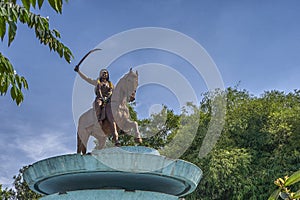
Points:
(110, 195)
(133, 172)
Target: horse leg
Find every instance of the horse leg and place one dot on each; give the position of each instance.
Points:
(79, 144)
(115, 133)
(132, 125)
(112, 124)
(138, 138)
(101, 141)
(81, 148)
(82, 139)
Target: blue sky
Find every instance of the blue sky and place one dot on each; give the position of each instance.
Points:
(253, 43)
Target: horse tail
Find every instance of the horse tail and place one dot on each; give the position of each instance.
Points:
(79, 144)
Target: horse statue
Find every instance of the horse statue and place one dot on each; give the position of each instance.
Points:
(117, 116)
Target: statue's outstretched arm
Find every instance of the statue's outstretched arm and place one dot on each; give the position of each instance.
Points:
(87, 79)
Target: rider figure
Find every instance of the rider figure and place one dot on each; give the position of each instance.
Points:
(103, 91)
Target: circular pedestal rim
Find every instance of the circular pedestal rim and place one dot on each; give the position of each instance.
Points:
(180, 173)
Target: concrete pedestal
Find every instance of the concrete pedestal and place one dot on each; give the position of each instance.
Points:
(113, 173)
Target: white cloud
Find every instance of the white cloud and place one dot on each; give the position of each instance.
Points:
(46, 144)
(8, 168)
(23, 143)
(5, 182)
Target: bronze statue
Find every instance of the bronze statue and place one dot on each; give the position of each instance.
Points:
(110, 112)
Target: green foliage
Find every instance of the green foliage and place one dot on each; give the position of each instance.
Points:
(259, 142)
(156, 130)
(5, 194)
(10, 14)
(20, 191)
(284, 191)
(225, 175)
(9, 77)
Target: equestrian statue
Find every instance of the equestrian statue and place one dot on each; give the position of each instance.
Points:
(109, 113)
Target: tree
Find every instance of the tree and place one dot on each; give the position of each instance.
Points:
(259, 142)
(4, 194)
(20, 191)
(11, 14)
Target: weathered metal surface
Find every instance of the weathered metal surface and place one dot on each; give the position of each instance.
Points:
(126, 168)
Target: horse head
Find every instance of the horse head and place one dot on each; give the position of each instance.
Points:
(131, 84)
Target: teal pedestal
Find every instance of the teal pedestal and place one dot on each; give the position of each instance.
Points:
(110, 195)
(113, 173)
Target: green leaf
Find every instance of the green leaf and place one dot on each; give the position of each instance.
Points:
(41, 23)
(294, 178)
(13, 92)
(296, 194)
(7, 82)
(25, 84)
(2, 85)
(67, 55)
(7, 65)
(2, 27)
(45, 22)
(56, 5)
(40, 3)
(12, 28)
(26, 4)
(19, 81)
(60, 50)
(59, 5)
(3, 11)
(32, 16)
(24, 13)
(33, 3)
(14, 15)
(36, 20)
(19, 98)
(56, 33)
(274, 195)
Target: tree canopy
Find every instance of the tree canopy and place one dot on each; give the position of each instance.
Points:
(11, 14)
(20, 191)
(259, 143)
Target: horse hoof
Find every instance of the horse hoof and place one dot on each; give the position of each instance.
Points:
(138, 140)
(117, 144)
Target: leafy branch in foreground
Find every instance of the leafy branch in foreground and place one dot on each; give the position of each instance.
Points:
(10, 14)
(284, 191)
